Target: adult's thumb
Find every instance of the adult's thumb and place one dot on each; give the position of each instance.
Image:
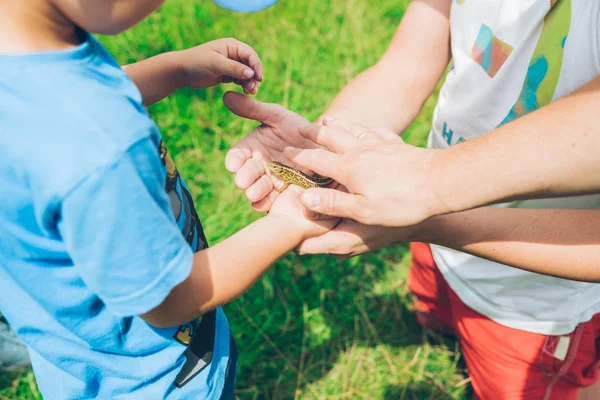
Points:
(336, 204)
(248, 107)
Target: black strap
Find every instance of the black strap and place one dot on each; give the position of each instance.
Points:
(199, 353)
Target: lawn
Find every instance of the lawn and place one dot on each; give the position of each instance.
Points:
(312, 327)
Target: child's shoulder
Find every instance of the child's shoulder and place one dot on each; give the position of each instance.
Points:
(62, 122)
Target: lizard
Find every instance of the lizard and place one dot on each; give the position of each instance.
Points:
(296, 177)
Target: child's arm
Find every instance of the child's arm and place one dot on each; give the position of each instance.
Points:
(219, 61)
(225, 271)
(120, 228)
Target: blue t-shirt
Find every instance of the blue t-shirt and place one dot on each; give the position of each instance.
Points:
(96, 227)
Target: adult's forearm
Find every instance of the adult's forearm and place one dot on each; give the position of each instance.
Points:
(156, 77)
(391, 94)
(551, 152)
(561, 243)
(225, 271)
(371, 100)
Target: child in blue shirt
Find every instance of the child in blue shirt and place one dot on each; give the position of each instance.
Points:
(104, 266)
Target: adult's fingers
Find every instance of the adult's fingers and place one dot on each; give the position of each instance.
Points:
(328, 243)
(321, 161)
(344, 241)
(309, 214)
(334, 138)
(248, 107)
(337, 204)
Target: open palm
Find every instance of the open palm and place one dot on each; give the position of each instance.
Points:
(248, 158)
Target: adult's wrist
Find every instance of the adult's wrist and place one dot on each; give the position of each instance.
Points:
(437, 184)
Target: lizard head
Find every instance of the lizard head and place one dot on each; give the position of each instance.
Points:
(277, 168)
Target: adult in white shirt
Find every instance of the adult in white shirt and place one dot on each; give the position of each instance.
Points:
(523, 335)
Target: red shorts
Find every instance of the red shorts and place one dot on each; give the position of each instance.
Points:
(505, 363)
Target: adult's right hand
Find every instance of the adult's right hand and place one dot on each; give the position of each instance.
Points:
(388, 181)
(248, 158)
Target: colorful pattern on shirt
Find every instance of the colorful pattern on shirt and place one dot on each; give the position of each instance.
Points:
(544, 68)
(489, 51)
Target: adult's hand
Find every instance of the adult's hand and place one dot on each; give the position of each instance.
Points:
(388, 181)
(248, 158)
(351, 238)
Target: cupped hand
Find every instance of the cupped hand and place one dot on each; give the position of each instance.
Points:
(221, 61)
(388, 181)
(248, 158)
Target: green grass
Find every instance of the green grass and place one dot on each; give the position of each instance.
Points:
(312, 327)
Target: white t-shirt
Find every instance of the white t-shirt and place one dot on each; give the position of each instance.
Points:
(511, 57)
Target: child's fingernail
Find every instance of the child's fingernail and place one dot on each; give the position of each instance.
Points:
(328, 119)
(248, 73)
(310, 200)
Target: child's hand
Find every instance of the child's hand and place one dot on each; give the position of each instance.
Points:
(288, 204)
(222, 61)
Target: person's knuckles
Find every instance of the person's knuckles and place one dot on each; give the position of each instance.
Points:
(330, 202)
(259, 189)
(361, 209)
(234, 160)
(249, 173)
(242, 179)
